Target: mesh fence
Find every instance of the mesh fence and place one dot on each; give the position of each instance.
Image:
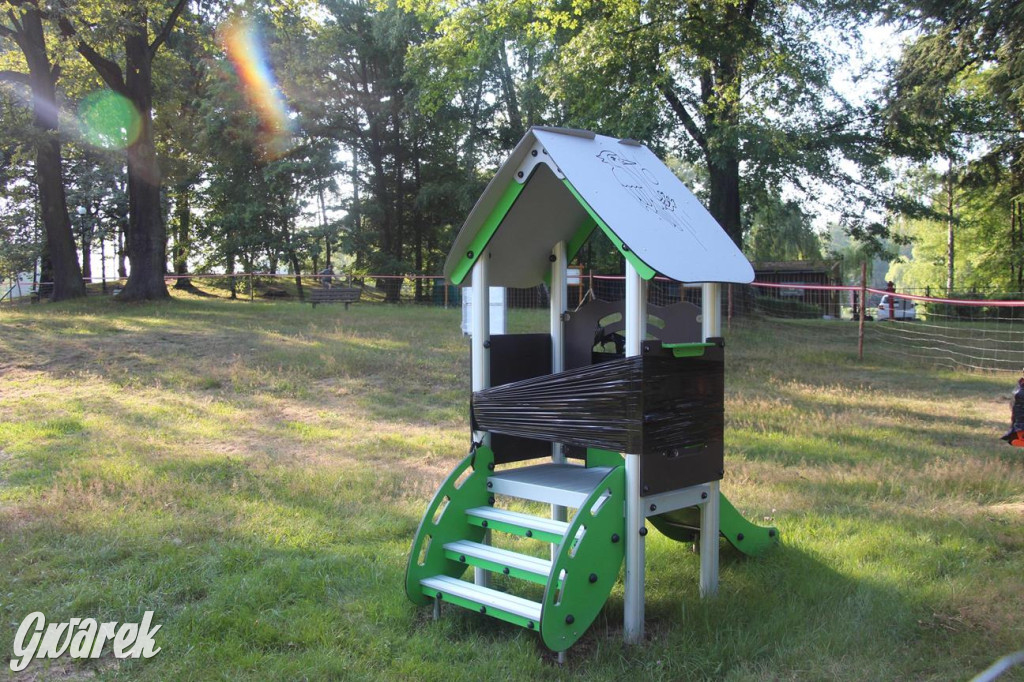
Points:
(981, 331)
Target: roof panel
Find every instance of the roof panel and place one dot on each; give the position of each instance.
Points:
(630, 191)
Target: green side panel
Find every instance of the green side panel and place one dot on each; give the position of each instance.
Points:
(588, 562)
(683, 525)
(597, 457)
(751, 539)
(641, 267)
(487, 230)
(445, 521)
(687, 350)
(513, 529)
(430, 593)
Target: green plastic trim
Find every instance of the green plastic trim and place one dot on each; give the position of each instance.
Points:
(645, 271)
(487, 230)
(515, 529)
(451, 524)
(597, 457)
(580, 238)
(492, 611)
(590, 564)
(687, 350)
(683, 525)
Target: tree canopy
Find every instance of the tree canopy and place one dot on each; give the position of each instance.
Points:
(257, 135)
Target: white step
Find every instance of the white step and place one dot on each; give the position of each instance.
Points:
(484, 596)
(517, 564)
(568, 485)
(532, 526)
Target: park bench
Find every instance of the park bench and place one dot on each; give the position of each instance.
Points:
(344, 295)
(44, 291)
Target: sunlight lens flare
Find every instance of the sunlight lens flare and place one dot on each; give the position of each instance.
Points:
(241, 42)
(109, 120)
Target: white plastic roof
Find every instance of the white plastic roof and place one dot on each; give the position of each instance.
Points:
(621, 183)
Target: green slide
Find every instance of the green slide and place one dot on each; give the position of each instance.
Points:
(683, 525)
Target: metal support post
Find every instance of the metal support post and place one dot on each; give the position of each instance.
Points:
(636, 331)
(711, 326)
(559, 299)
(481, 361)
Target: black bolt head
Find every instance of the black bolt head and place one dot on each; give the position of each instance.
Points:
(739, 537)
(483, 524)
(643, 531)
(703, 496)
(490, 466)
(654, 507)
(469, 254)
(533, 152)
(593, 577)
(505, 570)
(529, 533)
(519, 174)
(483, 609)
(615, 537)
(570, 619)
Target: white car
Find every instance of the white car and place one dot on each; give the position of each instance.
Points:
(902, 309)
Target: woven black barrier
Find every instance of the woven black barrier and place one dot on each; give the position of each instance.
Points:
(668, 409)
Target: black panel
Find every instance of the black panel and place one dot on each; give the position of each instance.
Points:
(515, 357)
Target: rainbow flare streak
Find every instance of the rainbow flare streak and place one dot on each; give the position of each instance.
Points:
(245, 50)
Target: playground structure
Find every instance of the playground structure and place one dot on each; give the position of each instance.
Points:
(634, 393)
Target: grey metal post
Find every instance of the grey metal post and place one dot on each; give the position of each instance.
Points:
(633, 599)
(711, 326)
(559, 299)
(481, 360)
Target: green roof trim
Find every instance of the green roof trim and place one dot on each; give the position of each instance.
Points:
(644, 270)
(487, 230)
(579, 239)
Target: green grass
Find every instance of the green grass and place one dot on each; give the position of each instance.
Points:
(254, 473)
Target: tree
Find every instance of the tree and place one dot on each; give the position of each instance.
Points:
(127, 32)
(955, 99)
(23, 24)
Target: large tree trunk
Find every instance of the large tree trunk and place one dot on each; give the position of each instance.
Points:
(67, 274)
(724, 200)
(147, 238)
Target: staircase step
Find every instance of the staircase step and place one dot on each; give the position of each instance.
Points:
(568, 485)
(499, 560)
(507, 607)
(517, 523)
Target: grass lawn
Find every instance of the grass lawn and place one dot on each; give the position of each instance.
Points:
(254, 473)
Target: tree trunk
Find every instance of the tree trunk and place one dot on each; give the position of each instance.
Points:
(147, 235)
(508, 86)
(724, 202)
(182, 235)
(86, 248)
(67, 274)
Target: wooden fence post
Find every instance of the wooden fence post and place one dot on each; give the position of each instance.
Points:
(863, 305)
